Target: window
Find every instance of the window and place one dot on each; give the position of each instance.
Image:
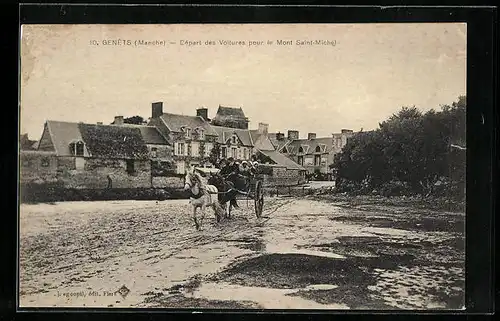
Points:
(234, 152)
(245, 153)
(208, 148)
(201, 134)
(301, 160)
(45, 162)
(180, 149)
(130, 166)
(318, 149)
(195, 149)
(317, 160)
(223, 152)
(234, 140)
(187, 131)
(77, 148)
(301, 150)
(154, 152)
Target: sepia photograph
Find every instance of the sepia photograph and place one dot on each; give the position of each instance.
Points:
(242, 166)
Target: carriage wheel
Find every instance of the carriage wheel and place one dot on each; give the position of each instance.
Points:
(258, 199)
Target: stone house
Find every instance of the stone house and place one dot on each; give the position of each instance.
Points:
(92, 155)
(232, 117)
(192, 137)
(27, 144)
(313, 153)
(284, 171)
(241, 144)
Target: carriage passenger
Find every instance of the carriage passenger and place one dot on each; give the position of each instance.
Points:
(224, 168)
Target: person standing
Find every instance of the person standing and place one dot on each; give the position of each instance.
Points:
(110, 181)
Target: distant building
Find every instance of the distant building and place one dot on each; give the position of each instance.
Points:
(27, 144)
(232, 117)
(87, 155)
(313, 153)
(192, 137)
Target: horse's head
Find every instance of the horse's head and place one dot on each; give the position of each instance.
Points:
(193, 179)
(189, 180)
(215, 179)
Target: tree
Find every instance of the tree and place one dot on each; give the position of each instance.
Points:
(25, 143)
(137, 120)
(213, 158)
(410, 147)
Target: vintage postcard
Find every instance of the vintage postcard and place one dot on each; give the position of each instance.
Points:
(243, 166)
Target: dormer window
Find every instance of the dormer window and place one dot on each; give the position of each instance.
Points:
(187, 132)
(77, 148)
(201, 134)
(318, 149)
(234, 140)
(301, 150)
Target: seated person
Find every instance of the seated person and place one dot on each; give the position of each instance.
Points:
(224, 168)
(245, 171)
(233, 174)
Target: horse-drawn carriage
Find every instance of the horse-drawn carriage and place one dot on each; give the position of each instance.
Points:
(229, 187)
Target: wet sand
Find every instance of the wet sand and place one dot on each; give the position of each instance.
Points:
(303, 253)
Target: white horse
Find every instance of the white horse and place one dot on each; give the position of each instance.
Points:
(202, 196)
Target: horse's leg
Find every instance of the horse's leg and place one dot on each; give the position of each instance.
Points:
(194, 218)
(202, 215)
(217, 210)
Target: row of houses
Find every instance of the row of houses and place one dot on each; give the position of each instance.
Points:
(157, 153)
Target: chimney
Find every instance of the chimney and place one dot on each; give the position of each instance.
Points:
(118, 120)
(280, 136)
(344, 131)
(157, 109)
(203, 113)
(263, 128)
(311, 136)
(293, 134)
(100, 122)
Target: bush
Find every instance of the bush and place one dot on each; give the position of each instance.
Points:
(37, 193)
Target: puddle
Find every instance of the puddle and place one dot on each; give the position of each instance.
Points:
(278, 249)
(425, 224)
(266, 298)
(321, 287)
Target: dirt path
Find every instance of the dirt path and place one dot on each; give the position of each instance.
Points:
(302, 253)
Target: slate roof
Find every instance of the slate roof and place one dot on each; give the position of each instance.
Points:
(150, 134)
(278, 144)
(309, 146)
(174, 122)
(230, 111)
(224, 133)
(261, 142)
(62, 134)
(108, 141)
(281, 159)
(114, 141)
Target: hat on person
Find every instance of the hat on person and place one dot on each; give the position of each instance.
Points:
(230, 159)
(255, 163)
(244, 163)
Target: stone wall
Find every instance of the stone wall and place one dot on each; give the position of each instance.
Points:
(162, 151)
(168, 182)
(37, 166)
(96, 170)
(282, 176)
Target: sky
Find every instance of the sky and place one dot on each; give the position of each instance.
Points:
(370, 72)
